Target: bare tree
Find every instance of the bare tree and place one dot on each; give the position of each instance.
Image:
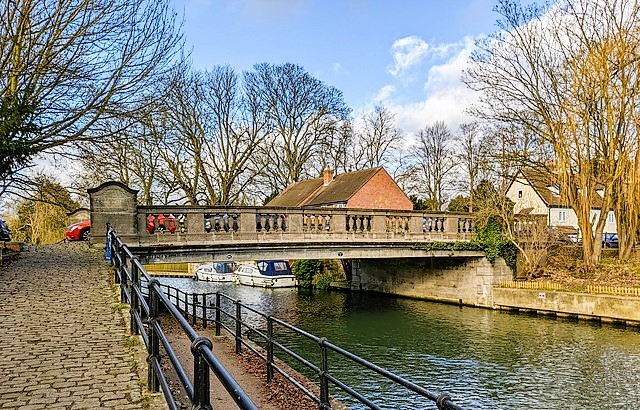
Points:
(378, 139)
(473, 151)
(302, 113)
(568, 75)
(434, 163)
(340, 148)
(70, 64)
(238, 126)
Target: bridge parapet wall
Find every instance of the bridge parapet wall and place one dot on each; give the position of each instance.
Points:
(115, 203)
(198, 224)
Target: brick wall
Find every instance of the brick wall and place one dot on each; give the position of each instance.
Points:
(380, 192)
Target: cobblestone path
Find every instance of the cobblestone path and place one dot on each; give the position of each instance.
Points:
(63, 340)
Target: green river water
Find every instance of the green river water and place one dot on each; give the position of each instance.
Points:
(484, 359)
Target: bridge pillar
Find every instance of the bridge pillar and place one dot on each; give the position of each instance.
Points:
(115, 203)
(466, 280)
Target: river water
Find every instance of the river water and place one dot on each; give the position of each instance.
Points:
(484, 359)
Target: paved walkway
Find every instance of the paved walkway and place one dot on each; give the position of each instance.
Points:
(63, 340)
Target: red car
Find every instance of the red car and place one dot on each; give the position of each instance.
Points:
(79, 231)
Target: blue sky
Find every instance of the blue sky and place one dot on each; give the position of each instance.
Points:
(407, 55)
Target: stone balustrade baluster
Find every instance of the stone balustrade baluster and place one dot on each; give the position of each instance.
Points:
(267, 224)
(234, 225)
(216, 222)
(258, 222)
(207, 222)
(225, 222)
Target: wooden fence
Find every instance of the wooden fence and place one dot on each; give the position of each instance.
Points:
(543, 285)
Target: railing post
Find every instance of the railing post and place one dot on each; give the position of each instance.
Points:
(204, 310)
(201, 397)
(154, 343)
(194, 304)
(123, 275)
(269, 349)
(117, 262)
(238, 327)
(324, 369)
(107, 248)
(218, 307)
(135, 303)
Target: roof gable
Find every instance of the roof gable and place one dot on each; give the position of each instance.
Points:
(313, 192)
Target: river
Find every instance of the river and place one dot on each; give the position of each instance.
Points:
(484, 359)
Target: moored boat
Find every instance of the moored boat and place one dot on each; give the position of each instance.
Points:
(216, 272)
(266, 273)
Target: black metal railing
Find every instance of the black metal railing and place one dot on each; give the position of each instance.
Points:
(239, 320)
(135, 288)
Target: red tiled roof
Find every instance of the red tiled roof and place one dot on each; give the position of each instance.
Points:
(313, 192)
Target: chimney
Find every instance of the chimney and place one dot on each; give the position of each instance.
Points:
(328, 175)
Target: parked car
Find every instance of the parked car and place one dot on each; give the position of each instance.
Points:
(5, 233)
(609, 240)
(79, 231)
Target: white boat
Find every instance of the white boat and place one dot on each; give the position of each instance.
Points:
(267, 274)
(215, 272)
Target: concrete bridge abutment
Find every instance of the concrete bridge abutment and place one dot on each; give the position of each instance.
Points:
(465, 280)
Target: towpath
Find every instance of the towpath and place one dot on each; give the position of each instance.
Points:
(64, 342)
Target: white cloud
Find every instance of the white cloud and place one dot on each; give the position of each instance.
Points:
(446, 97)
(337, 67)
(407, 52)
(384, 93)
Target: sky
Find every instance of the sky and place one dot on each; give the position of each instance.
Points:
(405, 54)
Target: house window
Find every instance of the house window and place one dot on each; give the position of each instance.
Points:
(610, 218)
(519, 194)
(562, 216)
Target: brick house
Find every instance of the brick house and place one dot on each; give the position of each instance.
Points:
(371, 188)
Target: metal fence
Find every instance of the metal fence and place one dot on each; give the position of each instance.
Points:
(267, 341)
(131, 277)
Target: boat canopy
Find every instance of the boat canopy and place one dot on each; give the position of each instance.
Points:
(224, 267)
(274, 268)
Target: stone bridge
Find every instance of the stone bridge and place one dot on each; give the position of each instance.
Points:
(375, 241)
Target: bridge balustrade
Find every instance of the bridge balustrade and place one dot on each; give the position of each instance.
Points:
(205, 224)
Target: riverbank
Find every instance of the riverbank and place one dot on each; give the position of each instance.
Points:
(620, 310)
(246, 368)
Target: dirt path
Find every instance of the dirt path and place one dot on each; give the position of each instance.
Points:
(248, 370)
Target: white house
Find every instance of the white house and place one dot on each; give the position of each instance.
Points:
(533, 194)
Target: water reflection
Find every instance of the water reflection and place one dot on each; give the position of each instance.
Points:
(484, 359)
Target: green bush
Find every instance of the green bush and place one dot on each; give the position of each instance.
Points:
(316, 273)
(488, 239)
